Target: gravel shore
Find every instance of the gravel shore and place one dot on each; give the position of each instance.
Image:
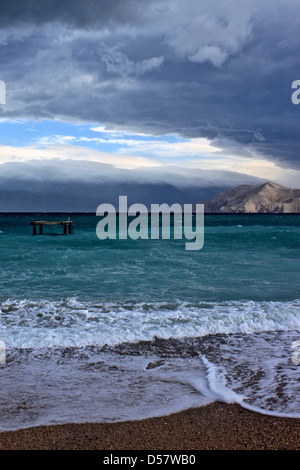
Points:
(217, 426)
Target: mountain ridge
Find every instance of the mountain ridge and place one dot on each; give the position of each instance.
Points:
(265, 198)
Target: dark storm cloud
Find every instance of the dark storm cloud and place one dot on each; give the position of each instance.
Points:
(221, 70)
(77, 13)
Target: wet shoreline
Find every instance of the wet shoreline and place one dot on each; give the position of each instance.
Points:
(217, 426)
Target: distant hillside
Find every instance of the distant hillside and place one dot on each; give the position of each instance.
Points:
(266, 198)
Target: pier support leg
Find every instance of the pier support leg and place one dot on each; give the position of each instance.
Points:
(34, 230)
(40, 229)
(65, 229)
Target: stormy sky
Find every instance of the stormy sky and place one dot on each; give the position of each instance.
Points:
(140, 85)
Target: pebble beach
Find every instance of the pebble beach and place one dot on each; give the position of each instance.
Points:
(216, 426)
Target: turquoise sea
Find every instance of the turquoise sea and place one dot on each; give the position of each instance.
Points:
(123, 329)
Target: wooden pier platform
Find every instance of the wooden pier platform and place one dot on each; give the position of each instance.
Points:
(67, 225)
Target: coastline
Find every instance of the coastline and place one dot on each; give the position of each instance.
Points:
(217, 426)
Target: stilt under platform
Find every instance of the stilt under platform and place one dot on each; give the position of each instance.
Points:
(68, 226)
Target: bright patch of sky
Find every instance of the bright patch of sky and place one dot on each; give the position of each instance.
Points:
(43, 134)
(24, 140)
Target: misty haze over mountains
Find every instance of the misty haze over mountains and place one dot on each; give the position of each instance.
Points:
(80, 186)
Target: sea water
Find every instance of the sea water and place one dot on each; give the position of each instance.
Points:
(111, 330)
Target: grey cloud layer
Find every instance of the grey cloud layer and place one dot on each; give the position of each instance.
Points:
(221, 70)
(82, 186)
